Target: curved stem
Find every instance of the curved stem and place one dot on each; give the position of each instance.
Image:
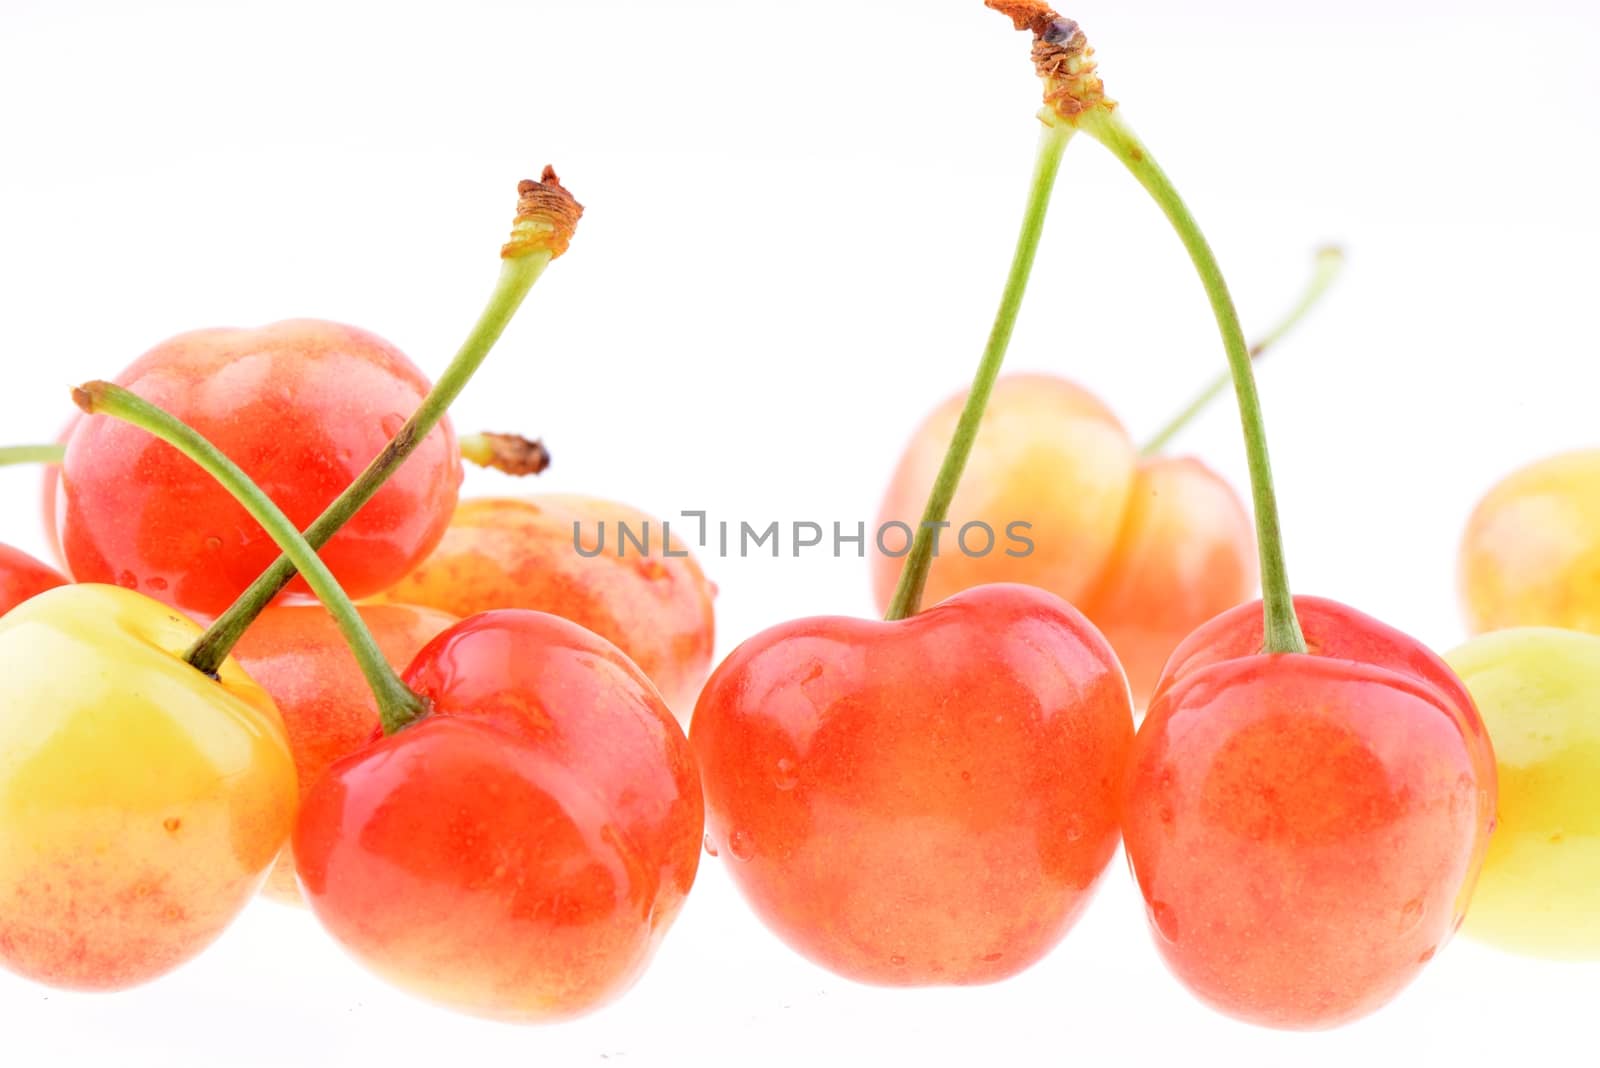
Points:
(517, 277)
(1329, 262)
(31, 454)
(1283, 633)
(398, 705)
(914, 576)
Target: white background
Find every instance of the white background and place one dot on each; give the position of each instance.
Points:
(799, 218)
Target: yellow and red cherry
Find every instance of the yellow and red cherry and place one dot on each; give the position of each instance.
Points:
(566, 555)
(1306, 828)
(1530, 556)
(22, 577)
(926, 801)
(302, 406)
(1310, 794)
(520, 850)
(141, 801)
(297, 654)
(930, 799)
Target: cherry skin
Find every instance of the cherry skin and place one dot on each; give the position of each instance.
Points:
(1147, 548)
(930, 801)
(503, 552)
(1530, 556)
(1306, 828)
(296, 653)
(520, 851)
(141, 802)
(302, 406)
(22, 577)
(1186, 552)
(1537, 688)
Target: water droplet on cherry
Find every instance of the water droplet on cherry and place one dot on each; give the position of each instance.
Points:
(786, 779)
(740, 845)
(711, 847)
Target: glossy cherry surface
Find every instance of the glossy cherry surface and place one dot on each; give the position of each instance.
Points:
(520, 851)
(22, 577)
(302, 406)
(503, 552)
(1306, 828)
(1147, 548)
(920, 802)
(141, 802)
(296, 653)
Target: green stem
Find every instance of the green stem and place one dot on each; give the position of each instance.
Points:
(31, 454)
(517, 276)
(1283, 633)
(1329, 261)
(398, 705)
(914, 576)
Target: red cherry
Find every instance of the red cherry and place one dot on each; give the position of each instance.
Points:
(520, 851)
(302, 406)
(1306, 828)
(22, 577)
(925, 801)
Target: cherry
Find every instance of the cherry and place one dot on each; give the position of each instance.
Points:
(1147, 546)
(297, 654)
(1530, 556)
(1307, 804)
(521, 553)
(931, 800)
(141, 802)
(22, 577)
(303, 406)
(1306, 828)
(520, 850)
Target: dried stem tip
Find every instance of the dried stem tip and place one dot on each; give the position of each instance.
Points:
(547, 215)
(1061, 55)
(508, 453)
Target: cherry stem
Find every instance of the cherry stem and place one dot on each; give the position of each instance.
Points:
(914, 576)
(546, 217)
(398, 705)
(1329, 262)
(508, 453)
(1283, 634)
(31, 454)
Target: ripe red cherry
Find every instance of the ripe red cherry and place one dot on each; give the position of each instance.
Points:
(22, 577)
(302, 406)
(519, 851)
(1306, 828)
(296, 653)
(925, 801)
